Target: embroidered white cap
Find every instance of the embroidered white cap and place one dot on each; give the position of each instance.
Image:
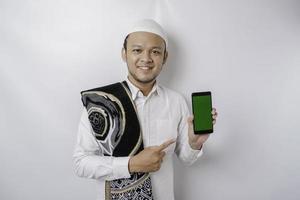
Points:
(151, 26)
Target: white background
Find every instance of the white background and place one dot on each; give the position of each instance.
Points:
(246, 52)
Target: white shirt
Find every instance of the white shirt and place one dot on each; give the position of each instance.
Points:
(163, 116)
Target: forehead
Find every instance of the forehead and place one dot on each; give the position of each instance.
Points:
(145, 39)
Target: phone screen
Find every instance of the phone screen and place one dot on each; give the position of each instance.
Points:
(202, 107)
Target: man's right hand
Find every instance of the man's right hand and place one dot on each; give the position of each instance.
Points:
(150, 159)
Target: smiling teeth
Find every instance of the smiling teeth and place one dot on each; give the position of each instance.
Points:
(145, 68)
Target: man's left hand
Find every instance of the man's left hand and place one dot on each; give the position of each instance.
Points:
(196, 141)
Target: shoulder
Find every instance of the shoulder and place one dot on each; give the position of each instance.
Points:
(108, 87)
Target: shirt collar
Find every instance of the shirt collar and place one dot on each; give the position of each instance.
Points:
(135, 91)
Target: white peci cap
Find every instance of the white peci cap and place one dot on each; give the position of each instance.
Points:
(151, 26)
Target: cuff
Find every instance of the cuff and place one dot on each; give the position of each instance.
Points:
(192, 152)
(120, 167)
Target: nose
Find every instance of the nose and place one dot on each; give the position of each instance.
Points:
(146, 57)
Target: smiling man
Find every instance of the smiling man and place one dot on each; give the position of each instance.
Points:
(129, 131)
(145, 53)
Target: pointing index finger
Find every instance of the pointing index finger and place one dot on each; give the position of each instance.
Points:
(166, 144)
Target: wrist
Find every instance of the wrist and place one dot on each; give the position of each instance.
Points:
(132, 165)
(200, 147)
(195, 146)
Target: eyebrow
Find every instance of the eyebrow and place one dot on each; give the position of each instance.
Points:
(155, 47)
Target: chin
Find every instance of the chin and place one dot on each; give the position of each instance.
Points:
(145, 80)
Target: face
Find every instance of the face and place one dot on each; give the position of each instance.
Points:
(145, 56)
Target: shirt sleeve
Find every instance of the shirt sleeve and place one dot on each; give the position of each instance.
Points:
(183, 149)
(89, 162)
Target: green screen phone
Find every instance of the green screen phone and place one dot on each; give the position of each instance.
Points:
(202, 107)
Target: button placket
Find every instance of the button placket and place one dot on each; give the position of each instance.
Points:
(146, 122)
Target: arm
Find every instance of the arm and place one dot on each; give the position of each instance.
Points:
(190, 145)
(89, 162)
(150, 159)
(184, 149)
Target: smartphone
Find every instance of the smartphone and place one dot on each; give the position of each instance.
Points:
(202, 107)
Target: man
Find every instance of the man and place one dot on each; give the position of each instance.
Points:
(163, 118)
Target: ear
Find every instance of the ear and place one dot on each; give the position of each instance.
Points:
(124, 57)
(165, 57)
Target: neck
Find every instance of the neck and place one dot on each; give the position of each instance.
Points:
(144, 87)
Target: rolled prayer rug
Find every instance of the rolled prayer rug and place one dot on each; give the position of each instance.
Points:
(115, 126)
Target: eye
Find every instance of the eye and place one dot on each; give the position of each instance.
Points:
(136, 50)
(156, 52)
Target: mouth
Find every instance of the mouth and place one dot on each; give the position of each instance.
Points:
(144, 67)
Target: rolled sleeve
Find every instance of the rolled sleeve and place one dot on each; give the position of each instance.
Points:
(191, 154)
